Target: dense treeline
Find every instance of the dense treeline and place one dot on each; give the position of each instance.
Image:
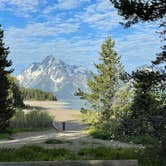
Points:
(19, 94)
(36, 94)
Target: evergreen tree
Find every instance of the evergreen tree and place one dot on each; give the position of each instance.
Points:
(36, 94)
(16, 93)
(134, 11)
(6, 104)
(103, 86)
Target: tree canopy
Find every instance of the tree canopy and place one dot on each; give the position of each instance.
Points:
(134, 11)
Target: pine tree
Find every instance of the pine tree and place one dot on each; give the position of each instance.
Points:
(136, 11)
(16, 93)
(103, 86)
(6, 104)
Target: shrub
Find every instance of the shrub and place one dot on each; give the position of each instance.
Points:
(35, 153)
(144, 157)
(56, 141)
(89, 116)
(33, 119)
(98, 133)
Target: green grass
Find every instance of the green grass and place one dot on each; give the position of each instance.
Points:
(140, 139)
(144, 140)
(5, 136)
(144, 157)
(36, 153)
(56, 141)
(96, 133)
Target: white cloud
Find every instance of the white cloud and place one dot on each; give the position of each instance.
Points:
(136, 49)
(100, 16)
(21, 7)
(65, 5)
(39, 39)
(46, 29)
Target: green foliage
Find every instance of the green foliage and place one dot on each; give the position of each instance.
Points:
(146, 109)
(33, 119)
(103, 86)
(138, 10)
(5, 136)
(144, 157)
(16, 93)
(35, 94)
(140, 139)
(99, 133)
(149, 105)
(56, 141)
(35, 153)
(90, 116)
(123, 100)
(6, 104)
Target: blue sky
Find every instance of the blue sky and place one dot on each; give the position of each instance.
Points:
(73, 31)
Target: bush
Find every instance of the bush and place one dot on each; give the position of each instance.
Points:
(144, 157)
(35, 153)
(89, 116)
(57, 141)
(105, 130)
(33, 119)
(98, 133)
(141, 139)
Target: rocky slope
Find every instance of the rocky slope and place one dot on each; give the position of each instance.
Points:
(53, 75)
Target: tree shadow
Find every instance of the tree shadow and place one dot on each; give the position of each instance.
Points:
(36, 108)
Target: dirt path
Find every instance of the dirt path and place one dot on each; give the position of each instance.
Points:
(74, 138)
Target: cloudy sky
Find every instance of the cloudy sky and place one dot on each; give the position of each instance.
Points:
(73, 31)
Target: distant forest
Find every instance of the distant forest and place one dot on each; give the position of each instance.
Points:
(36, 94)
(19, 94)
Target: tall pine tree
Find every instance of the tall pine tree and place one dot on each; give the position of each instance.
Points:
(6, 104)
(104, 84)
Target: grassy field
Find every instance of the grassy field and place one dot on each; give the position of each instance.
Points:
(36, 153)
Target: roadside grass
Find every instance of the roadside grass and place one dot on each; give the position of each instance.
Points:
(36, 153)
(57, 141)
(144, 157)
(4, 136)
(96, 133)
(140, 139)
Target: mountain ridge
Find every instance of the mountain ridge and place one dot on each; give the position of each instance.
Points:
(54, 75)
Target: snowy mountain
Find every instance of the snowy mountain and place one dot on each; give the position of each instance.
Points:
(53, 75)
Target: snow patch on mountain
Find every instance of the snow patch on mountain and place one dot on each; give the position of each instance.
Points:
(53, 75)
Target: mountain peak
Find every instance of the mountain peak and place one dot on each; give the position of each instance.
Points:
(53, 75)
(51, 60)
